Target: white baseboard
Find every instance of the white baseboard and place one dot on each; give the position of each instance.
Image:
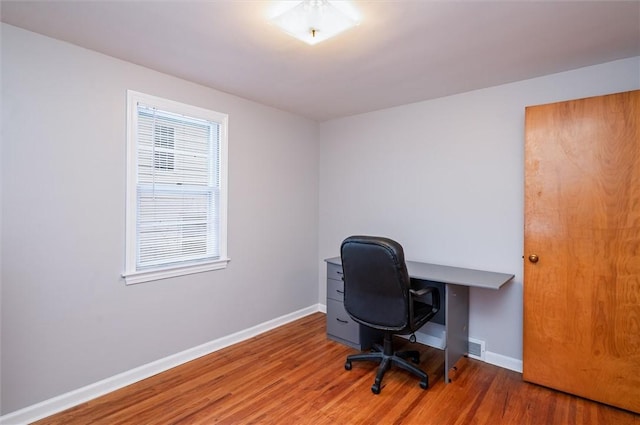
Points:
(97, 389)
(503, 361)
(433, 335)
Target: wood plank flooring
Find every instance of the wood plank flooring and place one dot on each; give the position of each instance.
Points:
(294, 375)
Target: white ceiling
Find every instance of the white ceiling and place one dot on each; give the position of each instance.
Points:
(403, 51)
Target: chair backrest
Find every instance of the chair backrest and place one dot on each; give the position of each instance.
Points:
(376, 282)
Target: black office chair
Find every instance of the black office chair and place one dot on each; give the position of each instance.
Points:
(377, 294)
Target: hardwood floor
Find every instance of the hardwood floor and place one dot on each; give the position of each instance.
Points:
(294, 375)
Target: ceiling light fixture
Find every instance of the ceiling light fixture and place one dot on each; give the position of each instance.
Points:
(313, 21)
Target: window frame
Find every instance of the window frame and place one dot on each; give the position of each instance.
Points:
(132, 274)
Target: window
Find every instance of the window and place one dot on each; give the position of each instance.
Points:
(176, 189)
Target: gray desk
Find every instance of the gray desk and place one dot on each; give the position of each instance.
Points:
(456, 282)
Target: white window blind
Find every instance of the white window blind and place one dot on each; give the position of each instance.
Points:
(180, 197)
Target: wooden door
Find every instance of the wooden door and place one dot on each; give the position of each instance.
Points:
(582, 224)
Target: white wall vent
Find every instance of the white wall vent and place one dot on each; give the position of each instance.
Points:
(476, 349)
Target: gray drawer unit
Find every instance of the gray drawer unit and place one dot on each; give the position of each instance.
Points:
(340, 326)
(335, 290)
(334, 271)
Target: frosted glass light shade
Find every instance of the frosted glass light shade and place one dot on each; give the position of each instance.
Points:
(313, 21)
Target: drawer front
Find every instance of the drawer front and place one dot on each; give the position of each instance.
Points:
(339, 324)
(334, 271)
(335, 289)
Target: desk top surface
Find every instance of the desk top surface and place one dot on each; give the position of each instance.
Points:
(451, 275)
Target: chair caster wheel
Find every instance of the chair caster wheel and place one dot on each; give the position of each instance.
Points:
(347, 366)
(424, 385)
(375, 388)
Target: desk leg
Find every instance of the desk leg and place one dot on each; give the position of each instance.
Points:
(457, 326)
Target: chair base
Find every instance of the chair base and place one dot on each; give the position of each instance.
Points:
(387, 358)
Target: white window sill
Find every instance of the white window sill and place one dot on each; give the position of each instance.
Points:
(147, 276)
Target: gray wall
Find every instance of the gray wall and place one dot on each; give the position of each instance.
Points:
(68, 320)
(445, 178)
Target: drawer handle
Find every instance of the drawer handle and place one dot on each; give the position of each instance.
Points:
(339, 291)
(342, 321)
